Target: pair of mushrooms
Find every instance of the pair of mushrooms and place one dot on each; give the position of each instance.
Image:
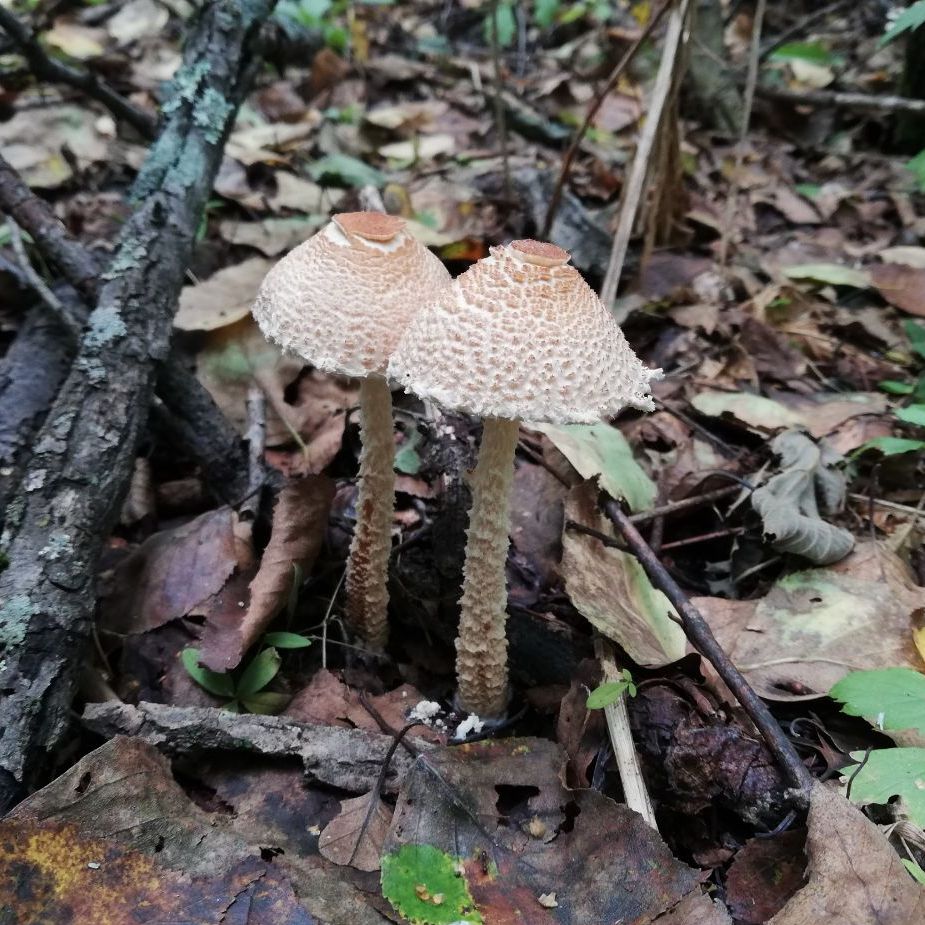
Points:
(518, 336)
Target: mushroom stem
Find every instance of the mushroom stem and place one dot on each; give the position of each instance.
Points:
(481, 647)
(368, 565)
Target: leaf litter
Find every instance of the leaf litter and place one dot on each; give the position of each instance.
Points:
(800, 333)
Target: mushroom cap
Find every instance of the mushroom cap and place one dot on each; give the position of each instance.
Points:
(521, 335)
(342, 299)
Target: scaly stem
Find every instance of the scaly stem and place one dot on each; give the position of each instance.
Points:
(368, 565)
(481, 647)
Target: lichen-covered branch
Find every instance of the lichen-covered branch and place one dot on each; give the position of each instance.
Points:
(84, 452)
(86, 81)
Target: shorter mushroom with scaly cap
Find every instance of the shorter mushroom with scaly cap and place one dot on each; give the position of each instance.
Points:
(518, 336)
(341, 301)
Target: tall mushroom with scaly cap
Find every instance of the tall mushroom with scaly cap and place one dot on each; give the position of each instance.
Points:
(341, 300)
(518, 336)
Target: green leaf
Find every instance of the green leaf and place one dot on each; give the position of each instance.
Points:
(286, 641)
(815, 52)
(912, 414)
(505, 23)
(415, 875)
(911, 18)
(917, 167)
(215, 683)
(888, 773)
(914, 869)
(601, 450)
(809, 190)
(606, 694)
(895, 387)
(890, 446)
(544, 12)
(268, 702)
(891, 698)
(344, 170)
(834, 274)
(258, 674)
(916, 334)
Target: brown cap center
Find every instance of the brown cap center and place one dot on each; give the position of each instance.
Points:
(540, 253)
(372, 226)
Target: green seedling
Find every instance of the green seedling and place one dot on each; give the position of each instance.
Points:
(611, 692)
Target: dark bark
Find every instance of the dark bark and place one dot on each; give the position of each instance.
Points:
(83, 455)
(194, 418)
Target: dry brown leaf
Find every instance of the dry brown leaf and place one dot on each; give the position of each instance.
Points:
(347, 839)
(854, 874)
(299, 521)
(900, 285)
(272, 236)
(224, 298)
(815, 626)
(172, 572)
(610, 589)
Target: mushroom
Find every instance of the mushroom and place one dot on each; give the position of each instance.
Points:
(518, 336)
(341, 300)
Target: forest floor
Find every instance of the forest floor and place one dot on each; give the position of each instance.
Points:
(236, 756)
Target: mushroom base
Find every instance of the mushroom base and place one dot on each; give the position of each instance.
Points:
(366, 582)
(481, 647)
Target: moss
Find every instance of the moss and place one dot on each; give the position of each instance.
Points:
(185, 85)
(211, 114)
(106, 325)
(14, 619)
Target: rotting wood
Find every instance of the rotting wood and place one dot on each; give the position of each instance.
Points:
(84, 452)
(350, 759)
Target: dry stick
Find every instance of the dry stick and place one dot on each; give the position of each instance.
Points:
(635, 183)
(85, 81)
(596, 104)
(702, 638)
(685, 504)
(621, 737)
(500, 121)
(750, 84)
(888, 104)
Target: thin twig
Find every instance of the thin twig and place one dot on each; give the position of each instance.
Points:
(704, 537)
(621, 738)
(596, 104)
(327, 617)
(256, 436)
(751, 82)
(702, 638)
(500, 120)
(635, 182)
(58, 309)
(685, 504)
(839, 100)
(87, 82)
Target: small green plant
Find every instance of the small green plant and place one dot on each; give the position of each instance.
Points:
(611, 692)
(916, 167)
(245, 689)
(892, 699)
(909, 19)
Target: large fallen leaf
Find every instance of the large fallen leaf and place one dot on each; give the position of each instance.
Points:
(892, 698)
(788, 506)
(815, 626)
(76, 41)
(299, 521)
(901, 285)
(116, 836)
(890, 772)
(853, 874)
(136, 20)
(766, 872)
(610, 589)
(832, 273)
(262, 143)
(602, 450)
(355, 836)
(224, 298)
(496, 813)
(172, 572)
